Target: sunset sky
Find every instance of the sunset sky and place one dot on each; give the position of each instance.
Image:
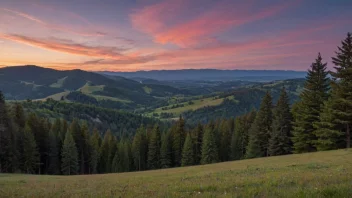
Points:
(130, 35)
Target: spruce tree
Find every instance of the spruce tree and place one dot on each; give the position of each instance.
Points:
(139, 148)
(342, 87)
(165, 151)
(308, 109)
(187, 152)
(280, 140)
(30, 155)
(328, 131)
(6, 147)
(225, 140)
(198, 138)
(209, 147)
(115, 162)
(69, 156)
(108, 149)
(178, 139)
(238, 145)
(154, 149)
(94, 148)
(54, 152)
(84, 152)
(259, 134)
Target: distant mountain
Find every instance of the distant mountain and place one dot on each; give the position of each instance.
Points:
(211, 74)
(33, 82)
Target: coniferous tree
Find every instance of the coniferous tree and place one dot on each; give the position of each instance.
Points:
(187, 152)
(18, 125)
(342, 87)
(84, 152)
(54, 152)
(209, 147)
(165, 151)
(225, 140)
(69, 156)
(6, 147)
(328, 131)
(139, 149)
(280, 140)
(108, 150)
(178, 139)
(238, 144)
(259, 134)
(94, 154)
(154, 149)
(308, 109)
(115, 162)
(75, 130)
(198, 138)
(30, 155)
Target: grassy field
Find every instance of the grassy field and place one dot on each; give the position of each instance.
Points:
(59, 83)
(321, 174)
(88, 89)
(197, 104)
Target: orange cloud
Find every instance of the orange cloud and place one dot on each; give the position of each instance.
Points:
(52, 26)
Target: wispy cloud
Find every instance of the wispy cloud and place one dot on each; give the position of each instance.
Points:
(53, 26)
(152, 20)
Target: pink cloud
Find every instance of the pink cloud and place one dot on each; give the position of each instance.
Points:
(152, 20)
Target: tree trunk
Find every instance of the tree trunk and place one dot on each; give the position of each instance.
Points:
(348, 137)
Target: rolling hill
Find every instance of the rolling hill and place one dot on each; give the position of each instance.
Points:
(32, 82)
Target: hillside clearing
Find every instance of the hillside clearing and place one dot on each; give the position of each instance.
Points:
(89, 89)
(196, 104)
(59, 83)
(321, 174)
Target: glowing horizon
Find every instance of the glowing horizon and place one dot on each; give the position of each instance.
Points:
(171, 34)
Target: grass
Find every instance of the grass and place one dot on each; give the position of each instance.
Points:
(57, 96)
(321, 174)
(89, 89)
(98, 97)
(147, 90)
(59, 83)
(197, 104)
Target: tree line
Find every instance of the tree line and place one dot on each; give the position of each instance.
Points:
(321, 120)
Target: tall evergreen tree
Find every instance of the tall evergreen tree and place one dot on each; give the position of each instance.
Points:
(6, 138)
(187, 153)
(238, 144)
(69, 156)
(307, 112)
(225, 140)
(84, 152)
(108, 150)
(259, 134)
(280, 140)
(178, 139)
(94, 148)
(165, 151)
(54, 152)
(328, 131)
(154, 149)
(198, 139)
(30, 155)
(139, 149)
(209, 147)
(342, 86)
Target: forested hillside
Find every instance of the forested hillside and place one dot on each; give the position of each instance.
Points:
(34, 140)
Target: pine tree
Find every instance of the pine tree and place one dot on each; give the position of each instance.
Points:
(225, 140)
(75, 130)
(342, 86)
(308, 109)
(154, 149)
(84, 152)
(198, 138)
(18, 125)
(209, 147)
(259, 134)
(280, 140)
(329, 132)
(54, 152)
(69, 156)
(139, 148)
(178, 139)
(108, 150)
(165, 151)
(94, 154)
(30, 155)
(187, 152)
(6, 147)
(115, 162)
(238, 144)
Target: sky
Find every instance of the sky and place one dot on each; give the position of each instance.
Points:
(131, 35)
